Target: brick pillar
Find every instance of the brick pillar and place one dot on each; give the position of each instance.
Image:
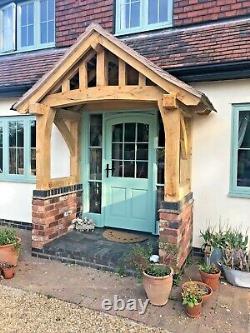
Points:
(176, 231)
(52, 213)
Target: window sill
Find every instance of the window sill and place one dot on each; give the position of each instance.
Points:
(234, 194)
(15, 179)
(144, 29)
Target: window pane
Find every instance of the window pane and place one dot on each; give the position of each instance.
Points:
(243, 174)
(47, 23)
(96, 130)
(16, 147)
(12, 133)
(163, 10)
(95, 194)
(8, 31)
(51, 32)
(44, 32)
(157, 11)
(95, 164)
(153, 11)
(1, 148)
(33, 147)
(130, 14)
(244, 129)
(27, 24)
(135, 14)
(160, 165)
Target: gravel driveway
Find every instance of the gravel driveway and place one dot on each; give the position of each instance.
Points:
(23, 312)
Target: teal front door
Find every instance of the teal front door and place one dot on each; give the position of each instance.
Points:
(128, 179)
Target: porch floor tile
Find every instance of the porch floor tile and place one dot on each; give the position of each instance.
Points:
(92, 249)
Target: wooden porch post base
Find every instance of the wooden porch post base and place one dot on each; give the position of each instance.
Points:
(175, 232)
(52, 213)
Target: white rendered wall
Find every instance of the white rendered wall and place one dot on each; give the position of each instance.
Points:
(16, 198)
(211, 160)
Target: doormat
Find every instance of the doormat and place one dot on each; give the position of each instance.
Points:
(123, 237)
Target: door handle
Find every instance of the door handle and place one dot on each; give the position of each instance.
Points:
(107, 170)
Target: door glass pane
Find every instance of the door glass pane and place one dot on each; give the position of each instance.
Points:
(142, 170)
(129, 169)
(129, 132)
(117, 168)
(127, 148)
(129, 151)
(142, 152)
(117, 151)
(142, 133)
(117, 133)
(95, 194)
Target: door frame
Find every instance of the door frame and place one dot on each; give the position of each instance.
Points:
(84, 159)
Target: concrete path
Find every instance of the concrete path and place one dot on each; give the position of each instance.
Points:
(227, 312)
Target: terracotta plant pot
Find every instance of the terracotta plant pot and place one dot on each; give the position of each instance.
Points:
(213, 280)
(195, 311)
(158, 288)
(10, 253)
(8, 273)
(205, 297)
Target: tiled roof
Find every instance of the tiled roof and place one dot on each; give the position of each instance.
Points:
(24, 69)
(213, 44)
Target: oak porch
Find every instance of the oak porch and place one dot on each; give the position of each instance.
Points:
(99, 69)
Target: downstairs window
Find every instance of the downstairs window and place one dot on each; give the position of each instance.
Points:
(240, 156)
(17, 149)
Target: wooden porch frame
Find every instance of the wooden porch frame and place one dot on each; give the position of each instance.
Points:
(177, 102)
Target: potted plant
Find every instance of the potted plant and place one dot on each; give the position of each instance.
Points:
(8, 270)
(157, 278)
(192, 299)
(210, 274)
(212, 245)
(9, 246)
(236, 260)
(202, 288)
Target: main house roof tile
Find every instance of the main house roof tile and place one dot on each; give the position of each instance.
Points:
(212, 44)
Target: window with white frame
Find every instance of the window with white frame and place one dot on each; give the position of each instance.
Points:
(27, 25)
(240, 157)
(141, 15)
(17, 148)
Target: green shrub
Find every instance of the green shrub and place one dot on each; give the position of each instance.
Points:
(158, 270)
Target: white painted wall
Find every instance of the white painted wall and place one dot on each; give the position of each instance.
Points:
(211, 160)
(16, 198)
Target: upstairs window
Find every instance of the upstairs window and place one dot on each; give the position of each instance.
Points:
(27, 25)
(142, 15)
(240, 159)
